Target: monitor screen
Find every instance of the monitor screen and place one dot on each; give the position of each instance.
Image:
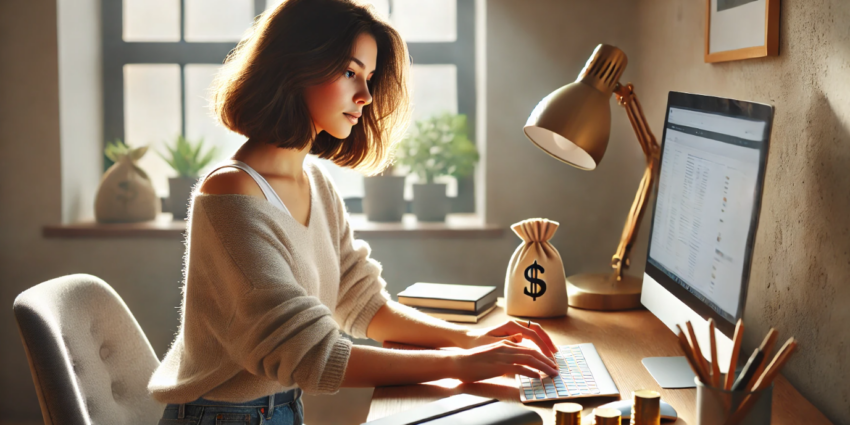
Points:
(706, 207)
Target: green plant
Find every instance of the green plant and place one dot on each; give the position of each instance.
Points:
(438, 146)
(117, 150)
(186, 159)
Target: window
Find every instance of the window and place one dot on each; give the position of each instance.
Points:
(160, 56)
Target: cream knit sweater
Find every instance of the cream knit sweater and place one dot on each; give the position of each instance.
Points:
(264, 299)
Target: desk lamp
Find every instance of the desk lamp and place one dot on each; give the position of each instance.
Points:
(572, 125)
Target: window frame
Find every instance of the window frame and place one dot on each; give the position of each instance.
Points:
(117, 53)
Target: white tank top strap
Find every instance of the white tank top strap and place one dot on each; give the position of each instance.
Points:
(269, 193)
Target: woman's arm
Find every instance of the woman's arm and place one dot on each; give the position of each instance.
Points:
(374, 367)
(398, 323)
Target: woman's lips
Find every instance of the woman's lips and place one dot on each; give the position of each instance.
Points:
(351, 118)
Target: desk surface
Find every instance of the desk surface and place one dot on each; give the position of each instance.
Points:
(622, 339)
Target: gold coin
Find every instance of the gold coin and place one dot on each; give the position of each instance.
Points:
(567, 414)
(646, 407)
(605, 416)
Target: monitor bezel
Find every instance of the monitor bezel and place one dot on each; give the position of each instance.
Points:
(730, 108)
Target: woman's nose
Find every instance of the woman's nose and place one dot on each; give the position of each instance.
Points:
(363, 97)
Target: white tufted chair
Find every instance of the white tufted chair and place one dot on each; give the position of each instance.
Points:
(89, 358)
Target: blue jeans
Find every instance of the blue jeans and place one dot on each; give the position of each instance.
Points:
(279, 409)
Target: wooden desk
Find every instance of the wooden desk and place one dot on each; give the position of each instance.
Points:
(622, 339)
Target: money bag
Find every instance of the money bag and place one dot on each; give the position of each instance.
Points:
(126, 194)
(535, 284)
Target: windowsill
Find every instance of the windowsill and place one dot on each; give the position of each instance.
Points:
(455, 226)
(161, 228)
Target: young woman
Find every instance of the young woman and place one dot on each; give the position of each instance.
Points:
(272, 271)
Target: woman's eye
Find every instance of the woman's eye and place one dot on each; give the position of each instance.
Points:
(349, 74)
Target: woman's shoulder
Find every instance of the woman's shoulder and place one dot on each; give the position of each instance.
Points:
(230, 181)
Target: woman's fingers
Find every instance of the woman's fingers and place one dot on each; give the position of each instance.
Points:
(530, 333)
(511, 349)
(544, 336)
(532, 361)
(522, 370)
(539, 356)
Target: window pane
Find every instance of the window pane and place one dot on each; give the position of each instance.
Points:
(152, 115)
(200, 122)
(425, 21)
(272, 3)
(151, 20)
(381, 6)
(416, 20)
(218, 20)
(434, 89)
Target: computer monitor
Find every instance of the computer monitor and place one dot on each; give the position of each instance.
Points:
(704, 220)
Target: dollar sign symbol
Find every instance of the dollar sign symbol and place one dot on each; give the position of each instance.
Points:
(538, 286)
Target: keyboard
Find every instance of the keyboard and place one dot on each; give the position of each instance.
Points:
(582, 374)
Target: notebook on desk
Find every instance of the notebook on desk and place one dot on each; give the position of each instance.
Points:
(463, 409)
(448, 296)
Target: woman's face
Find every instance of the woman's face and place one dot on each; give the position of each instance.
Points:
(336, 106)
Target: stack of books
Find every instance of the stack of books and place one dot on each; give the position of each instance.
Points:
(455, 303)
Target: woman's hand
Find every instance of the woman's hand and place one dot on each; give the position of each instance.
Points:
(514, 331)
(500, 358)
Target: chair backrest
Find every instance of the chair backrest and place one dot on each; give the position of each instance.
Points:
(89, 358)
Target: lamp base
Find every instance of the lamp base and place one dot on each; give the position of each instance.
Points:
(601, 291)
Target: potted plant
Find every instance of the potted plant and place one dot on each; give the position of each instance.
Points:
(437, 146)
(186, 159)
(125, 193)
(383, 196)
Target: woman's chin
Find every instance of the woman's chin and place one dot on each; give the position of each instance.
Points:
(340, 133)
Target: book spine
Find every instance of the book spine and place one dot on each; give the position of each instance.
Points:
(454, 317)
(436, 303)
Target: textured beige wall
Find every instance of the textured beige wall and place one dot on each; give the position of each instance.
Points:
(801, 265)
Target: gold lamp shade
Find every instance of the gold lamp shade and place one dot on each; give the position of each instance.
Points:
(572, 123)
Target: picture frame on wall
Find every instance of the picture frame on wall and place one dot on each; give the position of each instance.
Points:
(741, 29)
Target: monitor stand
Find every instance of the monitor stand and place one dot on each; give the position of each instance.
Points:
(670, 372)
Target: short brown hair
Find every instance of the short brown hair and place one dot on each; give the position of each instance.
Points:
(259, 93)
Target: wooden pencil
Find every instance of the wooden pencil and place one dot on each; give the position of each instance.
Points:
(689, 354)
(715, 368)
(689, 347)
(763, 381)
(776, 364)
(766, 347)
(736, 349)
(697, 351)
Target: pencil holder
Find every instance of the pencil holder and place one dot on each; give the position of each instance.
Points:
(715, 405)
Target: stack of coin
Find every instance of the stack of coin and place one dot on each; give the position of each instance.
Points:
(605, 416)
(646, 407)
(567, 414)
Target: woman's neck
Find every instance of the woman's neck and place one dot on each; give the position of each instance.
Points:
(270, 160)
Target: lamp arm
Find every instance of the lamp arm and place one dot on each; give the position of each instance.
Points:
(626, 98)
